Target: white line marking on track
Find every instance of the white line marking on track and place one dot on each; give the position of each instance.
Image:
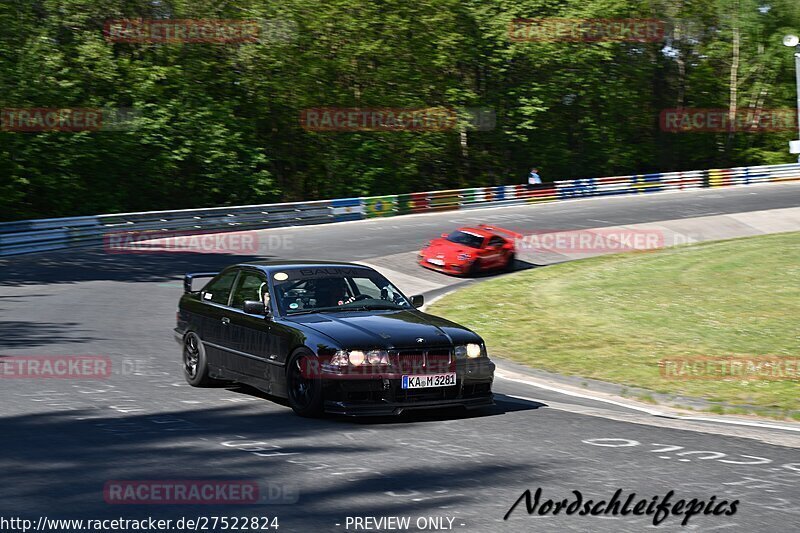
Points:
(740, 422)
(654, 412)
(650, 411)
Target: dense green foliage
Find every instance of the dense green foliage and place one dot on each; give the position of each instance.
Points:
(219, 124)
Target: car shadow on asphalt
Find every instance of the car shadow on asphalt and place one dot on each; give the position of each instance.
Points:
(95, 264)
(502, 405)
(519, 265)
(15, 334)
(62, 460)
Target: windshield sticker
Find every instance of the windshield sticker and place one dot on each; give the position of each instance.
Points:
(324, 272)
(207, 295)
(294, 305)
(331, 272)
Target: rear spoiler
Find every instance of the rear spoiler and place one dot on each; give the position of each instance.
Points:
(187, 279)
(498, 229)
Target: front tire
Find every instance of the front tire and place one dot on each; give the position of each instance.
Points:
(195, 364)
(475, 268)
(304, 385)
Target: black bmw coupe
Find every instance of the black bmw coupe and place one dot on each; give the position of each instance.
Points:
(328, 337)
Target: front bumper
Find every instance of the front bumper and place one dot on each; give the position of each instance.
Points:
(398, 408)
(456, 269)
(383, 396)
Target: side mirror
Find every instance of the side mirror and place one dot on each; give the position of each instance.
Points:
(417, 301)
(253, 307)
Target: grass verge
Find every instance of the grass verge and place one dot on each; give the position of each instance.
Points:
(613, 318)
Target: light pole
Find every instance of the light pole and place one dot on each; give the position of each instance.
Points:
(793, 41)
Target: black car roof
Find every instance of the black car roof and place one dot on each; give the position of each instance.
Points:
(280, 263)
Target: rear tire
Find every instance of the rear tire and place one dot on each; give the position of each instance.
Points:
(304, 385)
(512, 260)
(195, 364)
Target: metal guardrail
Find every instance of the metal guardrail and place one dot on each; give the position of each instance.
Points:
(28, 236)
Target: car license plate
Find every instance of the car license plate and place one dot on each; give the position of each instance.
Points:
(430, 380)
(438, 262)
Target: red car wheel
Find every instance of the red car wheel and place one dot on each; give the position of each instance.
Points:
(512, 258)
(475, 268)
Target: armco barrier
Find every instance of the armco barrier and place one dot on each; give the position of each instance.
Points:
(27, 236)
(444, 200)
(54, 234)
(380, 206)
(347, 209)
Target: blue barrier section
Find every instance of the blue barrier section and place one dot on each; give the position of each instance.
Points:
(647, 183)
(347, 209)
(755, 175)
(577, 188)
(612, 192)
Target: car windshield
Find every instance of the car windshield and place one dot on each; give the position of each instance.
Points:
(335, 289)
(467, 239)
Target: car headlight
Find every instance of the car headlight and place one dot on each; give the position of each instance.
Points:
(378, 357)
(357, 358)
(340, 358)
(470, 350)
(473, 350)
(464, 257)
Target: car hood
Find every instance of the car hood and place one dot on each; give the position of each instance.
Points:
(447, 249)
(387, 329)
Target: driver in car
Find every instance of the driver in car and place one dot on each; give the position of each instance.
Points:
(330, 292)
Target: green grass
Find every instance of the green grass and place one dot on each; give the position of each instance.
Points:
(614, 317)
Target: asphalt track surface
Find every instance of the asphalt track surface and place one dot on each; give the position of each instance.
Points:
(62, 440)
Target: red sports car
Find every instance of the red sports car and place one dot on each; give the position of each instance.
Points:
(470, 250)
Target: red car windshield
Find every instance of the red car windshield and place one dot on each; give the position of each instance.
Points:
(467, 239)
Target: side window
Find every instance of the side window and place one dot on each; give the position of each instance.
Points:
(371, 289)
(366, 286)
(496, 241)
(218, 290)
(251, 286)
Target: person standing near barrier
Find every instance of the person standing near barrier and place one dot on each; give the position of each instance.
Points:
(534, 179)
